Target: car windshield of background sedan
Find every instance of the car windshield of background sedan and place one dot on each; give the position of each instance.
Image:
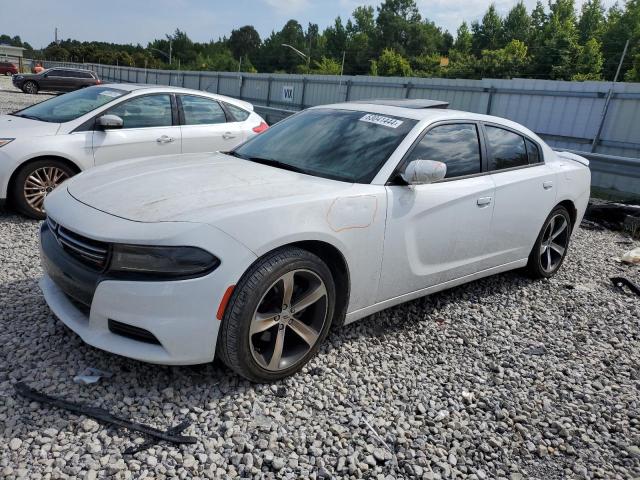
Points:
(70, 106)
(344, 145)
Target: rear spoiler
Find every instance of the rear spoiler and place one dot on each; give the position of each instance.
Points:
(572, 156)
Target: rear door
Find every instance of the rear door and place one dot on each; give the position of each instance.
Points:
(150, 128)
(525, 192)
(54, 79)
(438, 232)
(206, 126)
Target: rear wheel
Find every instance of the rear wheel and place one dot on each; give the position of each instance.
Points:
(278, 316)
(551, 246)
(30, 87)
(34, 182)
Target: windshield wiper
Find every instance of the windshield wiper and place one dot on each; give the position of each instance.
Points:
(30, 117)
(276, 163)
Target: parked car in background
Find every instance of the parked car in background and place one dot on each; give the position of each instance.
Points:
(46, 143)
(331, 215)
(56, 80)
(8, 68)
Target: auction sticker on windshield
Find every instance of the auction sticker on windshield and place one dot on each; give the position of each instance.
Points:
(382, 120)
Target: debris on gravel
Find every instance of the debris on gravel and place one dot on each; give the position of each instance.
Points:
(503, 378)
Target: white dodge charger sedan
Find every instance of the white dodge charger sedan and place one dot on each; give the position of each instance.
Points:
(329, 216)
(44, 144)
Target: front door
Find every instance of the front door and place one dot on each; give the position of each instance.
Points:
(148, 130)
(438, 232)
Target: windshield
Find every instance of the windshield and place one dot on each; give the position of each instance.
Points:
(339, 144)
(70, 106)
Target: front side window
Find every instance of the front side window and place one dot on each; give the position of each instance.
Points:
(506, 149)
(70, 106)
(55, 73)
(201, 111)
(344, 145)
(144, 112)
(456, 145)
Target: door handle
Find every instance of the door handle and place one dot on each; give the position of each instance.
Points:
(228, 135)
(164, 139)
(484, 201)
(547, 185)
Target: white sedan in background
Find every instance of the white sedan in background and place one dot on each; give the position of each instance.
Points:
(44, 144)
(329, 216)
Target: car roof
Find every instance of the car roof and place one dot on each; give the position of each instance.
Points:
(428, 115)
(71, 69)
(416, 103)
(150, 88)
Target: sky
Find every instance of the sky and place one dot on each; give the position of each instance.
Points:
(137, 21)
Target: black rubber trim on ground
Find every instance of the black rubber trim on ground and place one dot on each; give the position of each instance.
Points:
(172, 435)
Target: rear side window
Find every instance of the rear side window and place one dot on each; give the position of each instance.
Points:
(533, 152)
(147, 111)
(456, 145)
(239, 114)
(506, 149)
(201, 111)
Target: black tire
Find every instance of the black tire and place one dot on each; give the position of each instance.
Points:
(17, 188)
(539, 267)
(30, 87)
(234, 345)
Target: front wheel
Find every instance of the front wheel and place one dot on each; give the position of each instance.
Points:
(34, 182)
(278, 316)
(30, 87)
(551, 246)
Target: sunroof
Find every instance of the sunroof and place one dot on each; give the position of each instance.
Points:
(416, 103)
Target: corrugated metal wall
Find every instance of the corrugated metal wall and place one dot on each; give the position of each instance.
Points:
(567, 115)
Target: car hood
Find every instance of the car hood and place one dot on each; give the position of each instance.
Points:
(193, 187)
(12, 126)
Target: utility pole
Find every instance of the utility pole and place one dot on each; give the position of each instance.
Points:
(170, 50)
(596, 139)
(56, 36)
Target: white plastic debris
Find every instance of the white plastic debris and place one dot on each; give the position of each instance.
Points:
(632, 256)
(91, 375)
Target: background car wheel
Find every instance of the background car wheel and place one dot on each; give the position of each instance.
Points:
(551, 245)
(278, 315)
(30, 87)
(34, 182)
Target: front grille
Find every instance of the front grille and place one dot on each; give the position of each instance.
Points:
(86, 250)
(134, 333)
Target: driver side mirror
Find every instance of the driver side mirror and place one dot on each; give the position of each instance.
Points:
(109, 122)
(421, 172)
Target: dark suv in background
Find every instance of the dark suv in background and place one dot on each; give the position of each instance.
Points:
(56, 80)
(8, 68)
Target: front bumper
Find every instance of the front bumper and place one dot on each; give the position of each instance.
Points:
(179, 314)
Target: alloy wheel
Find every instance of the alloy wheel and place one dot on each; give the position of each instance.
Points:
(554, 243)
(30, 87)
(40, 183)
(289, 320)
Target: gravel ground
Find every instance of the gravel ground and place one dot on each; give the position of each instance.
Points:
(12, 99)
(502, 378)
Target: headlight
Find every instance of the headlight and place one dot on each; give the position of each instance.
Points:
(166, 262)
(4, 141)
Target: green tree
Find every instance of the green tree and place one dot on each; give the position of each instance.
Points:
(621, 25)
(391, 64)
(517, 24)
(508, 62)
(244, 41)
(633, 75)
(589, 61)
(397, 20)
(489, 34)
(464, 39)
(327, 66)
(592, 20)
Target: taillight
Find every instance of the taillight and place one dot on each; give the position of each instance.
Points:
(261, 128)
(98, 81)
